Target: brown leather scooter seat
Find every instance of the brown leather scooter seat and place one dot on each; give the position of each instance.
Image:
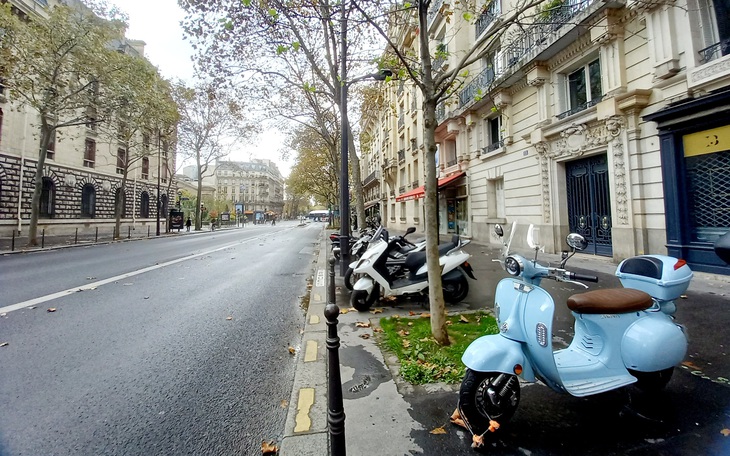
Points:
(610, 301)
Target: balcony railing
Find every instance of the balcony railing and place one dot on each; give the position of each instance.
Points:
(494, 146)
(715, 51)
(401, 156)
(414, 184)
(451, 163)
(402, 189)
(487, 17)
(477, 86)
(401, 121)
(580, 107)
(440, 112)
(433, 10)
(372, 177)
(414, 144)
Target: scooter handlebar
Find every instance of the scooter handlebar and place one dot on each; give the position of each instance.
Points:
(581, 277)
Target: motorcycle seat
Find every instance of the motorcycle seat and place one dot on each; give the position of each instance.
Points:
(414, 261)
(610, 301)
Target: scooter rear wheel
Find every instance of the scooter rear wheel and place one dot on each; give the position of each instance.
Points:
(486, 396)
(456, 290)
(362, 300)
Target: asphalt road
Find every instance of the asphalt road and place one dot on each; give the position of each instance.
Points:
(166, 346)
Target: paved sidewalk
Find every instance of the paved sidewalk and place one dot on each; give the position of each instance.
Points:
(387, 416)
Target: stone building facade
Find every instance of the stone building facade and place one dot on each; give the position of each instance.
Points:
(611, 119)
(257, 185)
(81, 177)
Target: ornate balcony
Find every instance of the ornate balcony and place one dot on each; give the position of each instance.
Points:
(488, 16)
(580, 107)
(480, 84)
(401, 156)
(372, 178)
(715, 51)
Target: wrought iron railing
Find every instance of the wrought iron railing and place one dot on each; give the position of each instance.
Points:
(580, 107)
(451, 162)
(401, 121)
(433, 10)
(715, 51)
(402, 189)
(471, 90)
(401, 156)
(494, 146)
(440, 112)
(489, 14)
(414, 184)
(372, 177)
(414, 144)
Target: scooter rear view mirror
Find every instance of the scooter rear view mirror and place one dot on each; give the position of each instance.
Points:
(576, 241)
(498, 230)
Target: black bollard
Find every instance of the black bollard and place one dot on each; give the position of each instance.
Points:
(12, 246)
(335, 412)
(76, 236)
(129, 232)
(43, 238)
(96, 237)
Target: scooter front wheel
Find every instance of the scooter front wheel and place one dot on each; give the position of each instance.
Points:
(652, 381)
(362, 300)
(350, 278)
(486, 396)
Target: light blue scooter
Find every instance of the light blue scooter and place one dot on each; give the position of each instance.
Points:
(622, 335)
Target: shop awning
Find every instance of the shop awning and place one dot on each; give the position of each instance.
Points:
(418, 193)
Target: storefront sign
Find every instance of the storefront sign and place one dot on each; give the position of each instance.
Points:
(707, 142)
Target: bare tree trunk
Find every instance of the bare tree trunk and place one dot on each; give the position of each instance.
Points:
(119, 205)
(357, 181)
(35, 206)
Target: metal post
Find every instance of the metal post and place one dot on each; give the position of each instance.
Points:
(344, 177)
(129, 232)
(76, 236)
(96, 237)
(12, 245)
(148, 230)
(336, 411)
(43, 238)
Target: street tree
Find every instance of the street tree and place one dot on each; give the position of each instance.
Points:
(59, 67)
(212, 121)
(263, 42)
(145, 112)
(437, 84)
(315, 174)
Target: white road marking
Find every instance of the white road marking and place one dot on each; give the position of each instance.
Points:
(94, 285)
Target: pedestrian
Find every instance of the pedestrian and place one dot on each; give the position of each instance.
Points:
(188, 223)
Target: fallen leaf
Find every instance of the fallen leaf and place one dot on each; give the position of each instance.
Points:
(390, 298)
(406, 343)
(690, 365)
(411, 313)
(128, 284)
(94, 288)
(378, 330)
(32, 307)
(51, 309)
(425, 315)
(376, 311)
(403, 333)
(463, 319)
(410, 323)
(3, 314)
(365, 336)
(90, 278)
(292, 350)
(269, 447)
(147, 297)
(449, 322)
(284, 404)
(344, 311)
(439, 430)
(362, 324)
(229, 318)
(4, 344)
(725, 432)
(352, 309)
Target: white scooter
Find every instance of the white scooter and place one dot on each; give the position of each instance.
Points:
(375, 275)
(622, 335)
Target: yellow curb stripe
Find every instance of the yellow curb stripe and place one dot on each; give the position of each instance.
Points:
(306, 401)
(310, 354)
(314, 320)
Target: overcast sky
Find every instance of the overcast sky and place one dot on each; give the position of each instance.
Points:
(157, 23)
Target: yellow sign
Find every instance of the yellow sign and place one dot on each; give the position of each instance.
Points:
(707, 142)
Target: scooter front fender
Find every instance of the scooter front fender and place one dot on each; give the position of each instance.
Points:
(496, 353)
(365, 283)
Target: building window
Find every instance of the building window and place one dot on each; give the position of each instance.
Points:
(89, 153)
(145, 168)
(120, 203)
(495, 198)
(121, 160)
(714, 24)
(584, 88)
(48, 198)
(493, 134)
(51, 148)
(88, 201)
(163, 204)
(165, 148)
(146, 142)
(144, 205)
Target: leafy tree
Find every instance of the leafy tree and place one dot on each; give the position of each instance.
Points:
(437, 84)
(282, 47)
(60, 66)
(145, 109)
(211, 122)
(315, 174)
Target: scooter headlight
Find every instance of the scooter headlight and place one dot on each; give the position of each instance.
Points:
(512, 266)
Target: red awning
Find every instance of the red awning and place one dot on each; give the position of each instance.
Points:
(418, 193)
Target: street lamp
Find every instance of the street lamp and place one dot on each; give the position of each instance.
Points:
(344, 177)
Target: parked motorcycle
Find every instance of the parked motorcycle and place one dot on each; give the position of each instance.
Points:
(396, 258)
(376, 277)
(622, 335)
